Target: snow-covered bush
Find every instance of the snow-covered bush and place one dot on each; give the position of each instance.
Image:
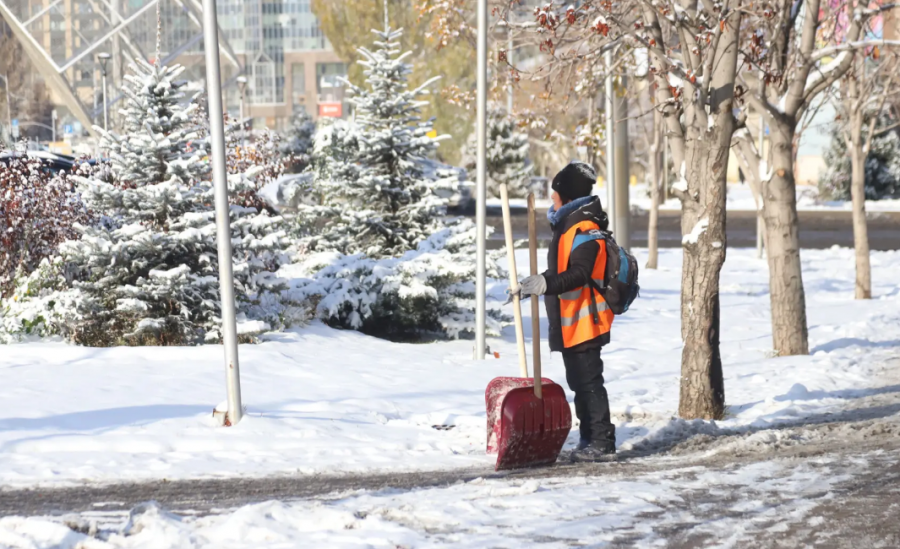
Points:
(507, 156)
(426, 293)
(38, 210)
(148, 272)
(255, 154)
(882, 167)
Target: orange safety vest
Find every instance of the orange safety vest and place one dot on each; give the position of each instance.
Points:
(583, 318)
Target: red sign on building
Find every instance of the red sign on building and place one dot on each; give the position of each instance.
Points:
(331, 110)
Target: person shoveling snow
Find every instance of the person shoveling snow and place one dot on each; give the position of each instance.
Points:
(579, 302)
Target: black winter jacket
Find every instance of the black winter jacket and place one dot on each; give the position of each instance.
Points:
(578, 272)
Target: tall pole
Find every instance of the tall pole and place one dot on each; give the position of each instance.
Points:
(105, 103)
(104, 61)
(510, 100)
(623, 174)
(481, 185)
(610, 143)
(53, 117)
(8, 108)
(762, 170)
(223, 225)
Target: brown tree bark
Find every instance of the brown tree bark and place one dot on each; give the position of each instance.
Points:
(860, 229)
(790, 335)
(700, 134)
(702, 393)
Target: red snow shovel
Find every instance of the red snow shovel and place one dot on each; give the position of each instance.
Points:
(528, 419)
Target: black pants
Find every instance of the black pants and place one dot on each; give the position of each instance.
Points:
(584, 373)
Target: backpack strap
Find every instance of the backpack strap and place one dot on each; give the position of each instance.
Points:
(585, 237)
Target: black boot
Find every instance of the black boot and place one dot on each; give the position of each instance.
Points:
(594, 452)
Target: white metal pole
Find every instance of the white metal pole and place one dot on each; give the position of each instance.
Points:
(610, 143)
(762, 174)
(510, 100)
(53, 120)
(223, 225)
(105, 104)
(481, 186)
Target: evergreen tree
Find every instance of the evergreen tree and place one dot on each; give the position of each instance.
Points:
(149, 272)
(159, 143)
(882, 167)
(507, 156)
(392, 140)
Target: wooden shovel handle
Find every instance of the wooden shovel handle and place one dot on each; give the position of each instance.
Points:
(513, 279)
(535, 300)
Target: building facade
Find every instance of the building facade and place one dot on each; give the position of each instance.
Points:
(276, 44)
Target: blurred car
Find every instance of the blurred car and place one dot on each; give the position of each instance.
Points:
(52, 162)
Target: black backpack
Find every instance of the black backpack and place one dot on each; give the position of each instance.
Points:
(620, 283)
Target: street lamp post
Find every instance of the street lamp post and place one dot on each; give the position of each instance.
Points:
(104, 59)
(481, 186)
(223, 223)
(242, 89)
(8, 107)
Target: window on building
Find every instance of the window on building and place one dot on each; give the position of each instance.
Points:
(327, 78)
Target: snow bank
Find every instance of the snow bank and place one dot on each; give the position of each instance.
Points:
(321, 400)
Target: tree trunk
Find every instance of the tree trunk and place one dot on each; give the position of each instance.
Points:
(702, 387)
(858, 196)
(790, 335)
(653, 227)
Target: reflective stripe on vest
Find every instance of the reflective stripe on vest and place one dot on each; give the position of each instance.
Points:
(579, 323)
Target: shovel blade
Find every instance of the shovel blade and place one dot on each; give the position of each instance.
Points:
(532, 430)
(496, 391)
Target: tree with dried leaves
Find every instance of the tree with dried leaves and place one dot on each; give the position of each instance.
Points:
(794, 52)
(38, 211)
(692, 51)
(864, 93)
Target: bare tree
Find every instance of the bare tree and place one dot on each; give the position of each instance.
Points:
(693, 55)
(864, 92)
(785, 68)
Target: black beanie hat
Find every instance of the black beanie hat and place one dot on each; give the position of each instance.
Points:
(575, 180)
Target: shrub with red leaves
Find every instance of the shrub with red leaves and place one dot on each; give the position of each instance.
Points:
(38, 210)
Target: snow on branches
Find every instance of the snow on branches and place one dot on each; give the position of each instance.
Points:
(388, 204)
(147, 273)
(426, 293)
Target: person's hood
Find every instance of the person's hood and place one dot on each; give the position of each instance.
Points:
(589, 205)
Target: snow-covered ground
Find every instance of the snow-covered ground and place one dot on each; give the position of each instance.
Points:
(326, 401)
(731, 507)
(739, 198)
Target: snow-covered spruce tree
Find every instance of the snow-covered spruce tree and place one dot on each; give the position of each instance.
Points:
(297, 144)
(378, 256)
(148, 274)
(392, 140)
(882, 167)
(507, 155)
(159, 144)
